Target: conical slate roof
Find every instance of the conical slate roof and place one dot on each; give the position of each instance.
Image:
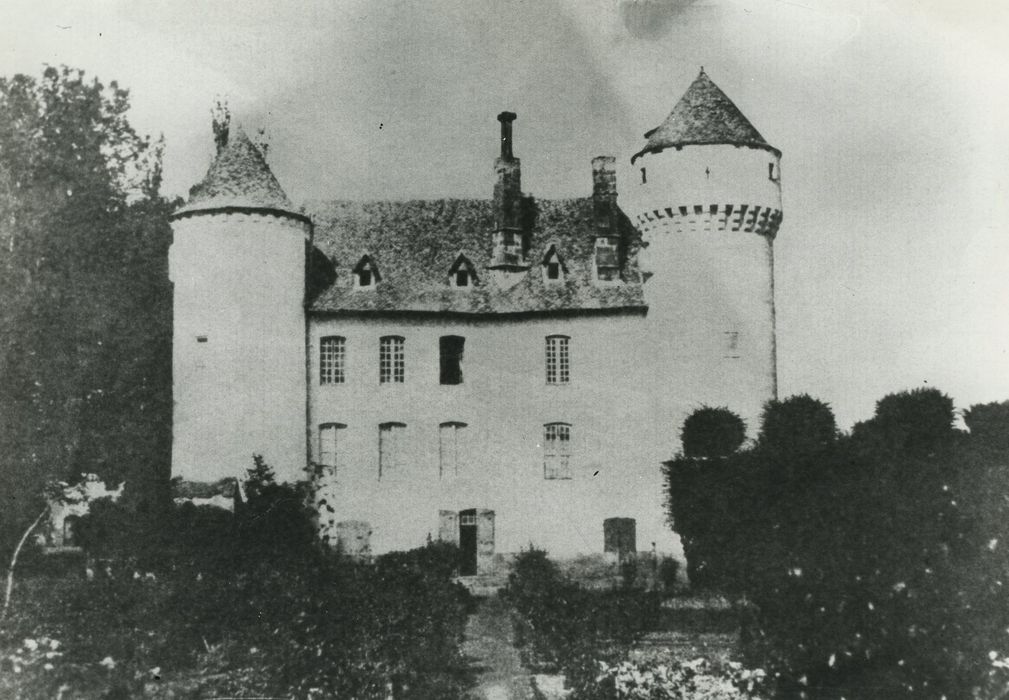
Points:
(704, 115)
(238, 178)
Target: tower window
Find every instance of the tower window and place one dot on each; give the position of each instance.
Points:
(557, 451)
(391, 360)
(644, 177)
(329, 444)
(450, 448)
(558, 360)
(332, 356)
(450, 349)
(391, 449)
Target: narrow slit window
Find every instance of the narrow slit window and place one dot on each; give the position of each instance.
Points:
(644, 177)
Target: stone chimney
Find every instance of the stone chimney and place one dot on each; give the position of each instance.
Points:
(604, 209)
(604, 178)
(508, 188)
(511, 212)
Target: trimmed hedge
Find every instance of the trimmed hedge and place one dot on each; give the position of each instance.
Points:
(876, 559)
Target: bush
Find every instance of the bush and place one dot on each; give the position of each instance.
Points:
(565, 626)
(662, 680)
(712, 432)
(798, 424)
(916, 421)
(247, 604)
(875, 560)
(989, 424)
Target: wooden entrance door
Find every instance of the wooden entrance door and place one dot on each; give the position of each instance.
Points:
(467, 542)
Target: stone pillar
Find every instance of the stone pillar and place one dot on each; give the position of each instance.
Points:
(448, 526)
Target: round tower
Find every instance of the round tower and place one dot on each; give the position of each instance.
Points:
(237, 262)
(706, 195)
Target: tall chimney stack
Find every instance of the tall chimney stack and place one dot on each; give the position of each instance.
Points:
(506, 119)
(604, 178)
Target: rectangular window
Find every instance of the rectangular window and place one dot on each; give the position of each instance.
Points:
(467, 519)
(332, 355)
(391, 449)
(391, 362)
(450, 348)
(557, 451)
(329, 444)
(558, 360)
(450, 448)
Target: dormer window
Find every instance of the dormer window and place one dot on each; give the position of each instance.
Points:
(366, 273)
(554, 268)
(462, 274)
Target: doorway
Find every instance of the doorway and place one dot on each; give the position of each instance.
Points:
(467, 542)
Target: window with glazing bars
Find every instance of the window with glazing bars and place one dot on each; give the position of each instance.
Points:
(391, 449)
(557, 451)
(332, 355)
(391, 360)
(558, 359)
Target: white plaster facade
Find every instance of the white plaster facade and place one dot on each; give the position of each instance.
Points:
(238, 354)
(698, 331)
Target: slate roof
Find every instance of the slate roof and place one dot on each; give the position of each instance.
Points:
(704, 115)
(238, 178)
(415, 243)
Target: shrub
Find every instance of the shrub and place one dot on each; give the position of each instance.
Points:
(989, 424)
(712, 432)
(698, 679)
(565, 626)
(916, 421)
(873, 560)
(799, 424)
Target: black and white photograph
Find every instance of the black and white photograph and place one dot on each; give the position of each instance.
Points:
(504, 349)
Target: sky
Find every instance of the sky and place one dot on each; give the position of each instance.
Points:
(892, 264)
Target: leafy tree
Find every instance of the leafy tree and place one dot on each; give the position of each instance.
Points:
(85, 304)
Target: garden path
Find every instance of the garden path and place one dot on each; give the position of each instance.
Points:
(490, 644)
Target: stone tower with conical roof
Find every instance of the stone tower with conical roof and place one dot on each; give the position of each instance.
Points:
(706, 195)
(237, 263)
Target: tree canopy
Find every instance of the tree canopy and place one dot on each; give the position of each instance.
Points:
(85, 304)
